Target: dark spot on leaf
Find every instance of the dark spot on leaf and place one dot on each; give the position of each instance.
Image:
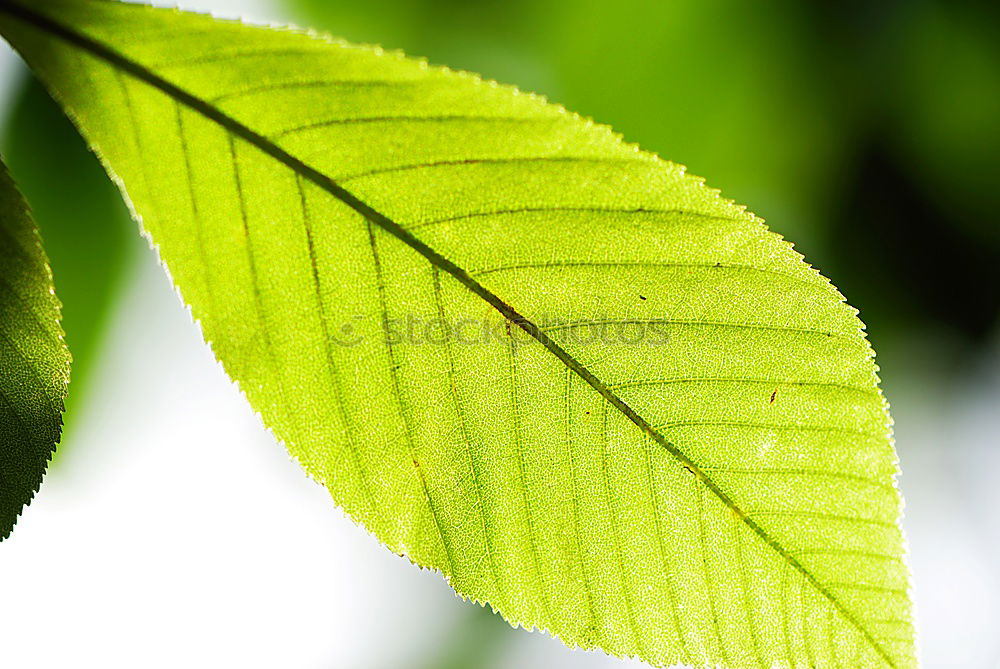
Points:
(642, 297)
(590, 636)
(774, 395)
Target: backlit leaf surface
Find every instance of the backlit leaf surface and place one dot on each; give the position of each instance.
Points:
(558, 369)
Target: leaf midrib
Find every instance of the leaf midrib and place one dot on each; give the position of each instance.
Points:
(206, 109)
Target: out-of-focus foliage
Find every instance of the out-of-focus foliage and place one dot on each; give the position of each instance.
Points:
(947, 120)
(477, 640)
(718, 491)
(835, 120)
(34, 361)
(88, 234)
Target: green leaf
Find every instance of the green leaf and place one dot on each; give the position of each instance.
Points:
(556, 368)
(91, 261)
(34, 361)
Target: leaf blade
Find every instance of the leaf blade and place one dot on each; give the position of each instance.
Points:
(34, 361)
(561, 167)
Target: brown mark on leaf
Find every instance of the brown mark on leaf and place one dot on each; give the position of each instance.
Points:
(774, 395)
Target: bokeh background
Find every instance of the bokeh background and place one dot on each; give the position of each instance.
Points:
(173, 531)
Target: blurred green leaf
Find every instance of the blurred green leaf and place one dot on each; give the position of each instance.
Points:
(718, 491)
(89, 236)
(34, 361)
